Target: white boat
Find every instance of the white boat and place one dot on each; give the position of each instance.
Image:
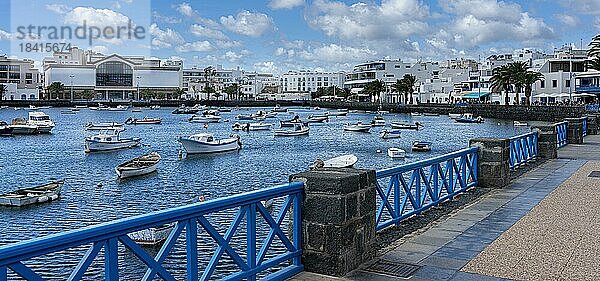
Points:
(430, 114)
(32, 195)
(344, 161)
(259, 126)
(109, 140)
(244, 117)
(396, 153)
(206, 143)
(136, 110)
(317, 118)
(390, 134)
(291, 123)
(278, 108)
(145, 121)
(35, 108)
(298, 130)
(378, 121)
(519, 124)
(341, 112)
(415, 114)
(154, 107)
(468, 118)
(152, 236)
(20, 127)
(3, 107)
(205, 118)
(118, 108)
(139, 166)
(104, 126)
(316, 108)
(42, 121)
(358, 127)
(421, 146)
(81, 106)
(271, 115)
(454, 115)
(405, 126)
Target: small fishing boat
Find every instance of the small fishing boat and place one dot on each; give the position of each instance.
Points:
(299, 130)
(317, 118)
(206, 143)
(396, 153)
(42, 121)
(206, 117)
(152, 236)
(186, 110)
(244, 117)
(454, 115)
(468, 118)
(406, 126)
(259, 126)
(32, 195)
(278, 108)
(421, 146)
(358, 127)
(344, 161)
(415, 114)
(224, 109)
(4, 107)
(104, 126)
(5, 130)
(271, 115)
(118, 108)
(430, 114)
(81, 106)
(259, 118)
(340, 112)
(36, 108)
(239, 126)
(378, 121)
(519, 124)
(291, 123)
(20, 127)
(139, 166)
(145, 121)
(390, 134)
(154, 107)
(109, 140)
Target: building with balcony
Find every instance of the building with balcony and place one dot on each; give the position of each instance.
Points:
(112, 77)
(299, 85)
(21, 78)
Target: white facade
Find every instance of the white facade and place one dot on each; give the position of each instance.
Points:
(22, 75)
(114, 76)
(14, 93)
(306, 82)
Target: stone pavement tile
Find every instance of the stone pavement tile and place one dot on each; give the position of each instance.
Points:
(361, 275)
(429, 240)
(448, 263)
(448, 252)
(465, 276)
(309, 276)
(455, 225)
(441, 233)
(468, 245)
(405, 256)
(435, 273)
(416, 247)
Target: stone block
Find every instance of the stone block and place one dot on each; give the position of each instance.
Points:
(322, 208)
(332, 180)
(493, 165)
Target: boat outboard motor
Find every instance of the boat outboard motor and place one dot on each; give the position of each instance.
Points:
(318, 164)
(239, 141)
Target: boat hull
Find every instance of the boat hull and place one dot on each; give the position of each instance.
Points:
(198, 147)
(28, 196)
(199, 119)
(128, 173)
(290, 133)
(23, 129)
(96, 146)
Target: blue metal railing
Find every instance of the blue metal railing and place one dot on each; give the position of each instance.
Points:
(108, 236)
(592, 107)
(561, 134)
(523, 148)
(585, 127)
(418, 186)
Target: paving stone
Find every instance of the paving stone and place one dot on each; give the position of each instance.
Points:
(442, 262)
(435, 273)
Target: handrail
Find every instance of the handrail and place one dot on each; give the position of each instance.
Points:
(585, 126)
(523, 148)
(416, 187)
(561, 133)
(108, 233)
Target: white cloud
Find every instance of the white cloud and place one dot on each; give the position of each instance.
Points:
(339, 54)
(567, 20)
(588, 7)
(285, 4)
(393, 19)
(165, 38)
(198, 46)
(266, 67)
(100, 49)
(58, 8)
(232, 56)
(187, 10)
(202, 31)
(5, 35)
(165, 19)
(227, 44)
(248, 23)
(95, 17)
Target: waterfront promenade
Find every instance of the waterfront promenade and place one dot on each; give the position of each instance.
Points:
(543, 226)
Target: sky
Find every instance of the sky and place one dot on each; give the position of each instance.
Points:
(325, 35)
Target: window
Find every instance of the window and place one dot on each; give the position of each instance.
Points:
(542, 84)
(114, 74)
(3, 75)
(567, 83)
(15, 68)
(15, 75)
(28, 76)
(319, 79)
(554, 83)
(3, 67)
(325, 78)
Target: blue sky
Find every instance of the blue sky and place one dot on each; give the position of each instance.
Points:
(282, 35)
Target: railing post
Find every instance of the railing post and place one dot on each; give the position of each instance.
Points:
(338, 219)
(493, 168)
(574, 130)
(547, 141)
(111, 260)
(3, 273)
(592, 124)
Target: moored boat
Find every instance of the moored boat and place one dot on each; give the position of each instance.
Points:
(208, 116)
(259, 126)
(406, 126)
(468, 118)
(32, 195)
(421, 146)
(244, 117)
(358, 127)
(5, 130)
(454, 115)
(340, 112)
(139, 166)
(520, 124)
(152, 236)
(390, 134)
(145, 121)
(378, 121)
(204, 143)
(430, 114)
(278, 108)
(20, 127)
(154, 107)
(396, 153)
(344, 161)
(299, 130)
(415, 114)
(317, 118)
(42, 121)
(109, 140)
(291, 123)
(90, 126)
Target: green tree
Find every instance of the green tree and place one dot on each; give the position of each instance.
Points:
(56, 90)
(594, 63)
(270, 90)
(3, 90)
(516, 71)
(594, 47)
(374, 89)
(409, 82)
(85, 95)
(178, 94)
(399, 87)
(528, 79)
(232, 91)
(217, 95)
(501, 81)
(209, 74)
(147, 94)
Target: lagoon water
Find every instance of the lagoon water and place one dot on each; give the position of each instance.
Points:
(263, 161)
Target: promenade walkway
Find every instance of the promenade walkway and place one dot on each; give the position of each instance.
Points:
(543, 226)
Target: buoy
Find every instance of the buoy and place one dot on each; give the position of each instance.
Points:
(180, 154)
(99, 184)
(201, 198)
(379, 151)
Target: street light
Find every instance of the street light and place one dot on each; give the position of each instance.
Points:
(138, 86)
(72, 76)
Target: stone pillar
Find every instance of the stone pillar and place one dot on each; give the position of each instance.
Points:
(493, 164)
(338, 219)
(574, 130)
(547, 141)
(593, 124)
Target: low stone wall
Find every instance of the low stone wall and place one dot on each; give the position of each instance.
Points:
(163, 103)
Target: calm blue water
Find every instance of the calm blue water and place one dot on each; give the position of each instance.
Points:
(264, 161)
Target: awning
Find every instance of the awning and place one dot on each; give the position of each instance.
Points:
(475, 95)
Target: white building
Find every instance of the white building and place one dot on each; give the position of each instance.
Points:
(299, 85)
(196, 79)
(21, 79)
(112, 77)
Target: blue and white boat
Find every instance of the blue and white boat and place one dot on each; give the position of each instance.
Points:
(204, 143)
(109, 140)
(390, 134)
(468, 118)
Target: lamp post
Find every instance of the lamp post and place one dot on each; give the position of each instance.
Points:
(71, 76)
(138, 86)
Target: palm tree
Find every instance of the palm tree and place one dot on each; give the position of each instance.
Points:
(594, 63)
(501, 81)
(209, 73)
(594, 50)
(528, 79)
(515, 71)
(56, 89)
(399, 87)
(3, 90)
(374, 88)
(409, 81)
